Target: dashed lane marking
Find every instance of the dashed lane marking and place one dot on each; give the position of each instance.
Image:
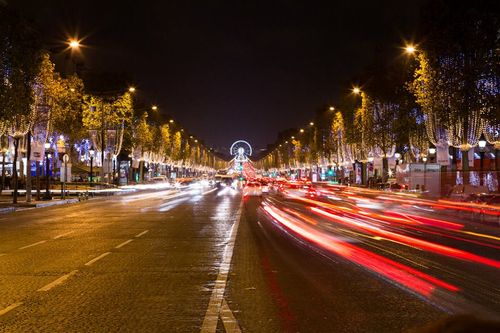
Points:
(209, 191)
(62, 235)
(214, 305)
(97, 258)
(10, 308)
(31, 245)
(228, 319)
(141, 234)
(59, 281)
(124, 243)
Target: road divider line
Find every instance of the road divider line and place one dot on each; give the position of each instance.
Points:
(10, 308)
(97, 258)
(214, 305)
(209, 191)
(124, 243)
(59, 281)
(31, 245)
(228, 319)
(62, 235)
(142, 233)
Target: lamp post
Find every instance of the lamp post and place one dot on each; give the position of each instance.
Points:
(65, 178)
(47, 195)
(482, 145)
(91, 153)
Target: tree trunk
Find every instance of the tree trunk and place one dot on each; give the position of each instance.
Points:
(385, 169)
(28, 167)
(141, 172)
(497, 168)
(14, 169)
(3, 173)
(465, 167)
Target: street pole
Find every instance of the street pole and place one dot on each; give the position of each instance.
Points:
(91, 162)
(47, 182)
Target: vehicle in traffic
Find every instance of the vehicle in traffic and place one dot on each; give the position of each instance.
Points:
(252, 189)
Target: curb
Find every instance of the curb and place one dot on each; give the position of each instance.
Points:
(37, 205)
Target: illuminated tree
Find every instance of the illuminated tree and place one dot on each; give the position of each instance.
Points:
(457, 82)
(19, 64)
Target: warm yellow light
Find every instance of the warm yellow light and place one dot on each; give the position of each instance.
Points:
(311, 123)
(195, 140)
(154, 108)
(74, 44)
(72, 89)
(131, 89)
(171, 121)
(301, 130)
(356, 90)
(332, 108)
(410, 49)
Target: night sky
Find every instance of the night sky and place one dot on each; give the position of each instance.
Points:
(230, 70)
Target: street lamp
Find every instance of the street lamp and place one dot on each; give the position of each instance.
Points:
(131, 89)
(482, 145)
(410, 49)
(356, 90)
(331, 108)
(154, 108)
(311, 123)
(301, 130)
(91, 153)
(74, 44)
(47, 195)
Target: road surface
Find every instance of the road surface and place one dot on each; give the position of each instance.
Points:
(206, 260)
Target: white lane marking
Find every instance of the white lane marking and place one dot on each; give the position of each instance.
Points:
(31, 245)
(214, 305)
(228, 319)
(141, 234)
(97, 258)
(62, 235)
(58, 281)
(209, 191)
(10, 308)
(124, 243)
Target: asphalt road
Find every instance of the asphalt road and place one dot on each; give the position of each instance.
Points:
(185, 261)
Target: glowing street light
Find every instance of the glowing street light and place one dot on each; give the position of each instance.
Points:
(171, 121)
(131, 89)
(356, 90)
(410, 49)
(154, 108)
(331, 108)
(74, 44)
(311, 123)
(301, 130)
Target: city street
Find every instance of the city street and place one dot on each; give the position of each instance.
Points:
(158, 261)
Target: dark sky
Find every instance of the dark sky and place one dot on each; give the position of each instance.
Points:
(234, 69)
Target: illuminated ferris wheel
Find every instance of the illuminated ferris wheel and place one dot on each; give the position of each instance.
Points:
(241, 150)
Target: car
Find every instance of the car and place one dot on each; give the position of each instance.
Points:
(252, 189)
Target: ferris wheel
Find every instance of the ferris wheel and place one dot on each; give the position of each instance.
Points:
(241, 150)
